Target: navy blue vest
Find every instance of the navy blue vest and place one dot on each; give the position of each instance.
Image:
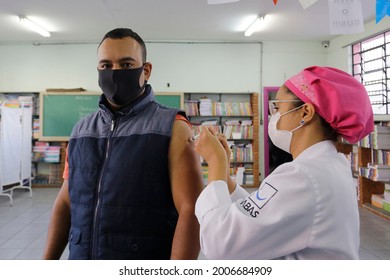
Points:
(119, 187)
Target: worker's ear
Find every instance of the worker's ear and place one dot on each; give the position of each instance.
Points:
(308, 112)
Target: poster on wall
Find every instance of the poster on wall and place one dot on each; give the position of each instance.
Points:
(345, 17)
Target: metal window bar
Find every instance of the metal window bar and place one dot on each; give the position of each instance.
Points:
(370, 66)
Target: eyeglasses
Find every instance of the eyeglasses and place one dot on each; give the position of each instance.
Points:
(273, 108)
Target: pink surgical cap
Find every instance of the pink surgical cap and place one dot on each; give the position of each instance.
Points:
(337, 97)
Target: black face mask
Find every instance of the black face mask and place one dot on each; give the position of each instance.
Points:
(121, 86)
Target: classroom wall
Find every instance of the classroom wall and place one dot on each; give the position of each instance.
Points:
(222, 67)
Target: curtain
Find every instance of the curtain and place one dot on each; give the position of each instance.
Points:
(10, 145)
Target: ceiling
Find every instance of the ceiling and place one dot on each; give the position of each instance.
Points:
(77, 21)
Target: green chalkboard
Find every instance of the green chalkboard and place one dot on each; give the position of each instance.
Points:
(59, 111)
(174, 100)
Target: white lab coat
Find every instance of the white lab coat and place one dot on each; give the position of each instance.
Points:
(305, 209)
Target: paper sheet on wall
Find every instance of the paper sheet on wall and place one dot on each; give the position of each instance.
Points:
(345, 17)
(307, 3)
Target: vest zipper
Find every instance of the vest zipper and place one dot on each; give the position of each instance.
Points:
(97, 205)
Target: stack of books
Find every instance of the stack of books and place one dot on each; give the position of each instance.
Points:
(52, 154)
(376, 172)
(205, 107)
(191, 107)
(237, 129)
(378, 139)
(39, 150)
(42, 152)
(25, 101)
(380, 156)
(231, 109)
(36, 128)
(242, 153)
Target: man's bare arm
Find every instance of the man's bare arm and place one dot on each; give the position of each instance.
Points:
(58, 231)
(187, 184)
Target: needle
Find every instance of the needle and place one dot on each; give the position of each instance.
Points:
(193, 138)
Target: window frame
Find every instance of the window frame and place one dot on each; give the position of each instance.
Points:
(371, 67)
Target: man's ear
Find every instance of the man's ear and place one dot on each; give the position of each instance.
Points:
(147, 70)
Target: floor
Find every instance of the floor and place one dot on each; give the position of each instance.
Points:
(23, 228)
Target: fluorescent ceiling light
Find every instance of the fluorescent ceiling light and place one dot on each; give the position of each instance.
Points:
(221, 1)
(255, 25)
(33, 26)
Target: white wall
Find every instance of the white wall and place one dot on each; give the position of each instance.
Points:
(223, 67)
(187, 67)
(35, 68)
(205, 67)
(339, 53)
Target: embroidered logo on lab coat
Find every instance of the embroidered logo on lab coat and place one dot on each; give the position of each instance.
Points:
(258, 199)
(263, 195)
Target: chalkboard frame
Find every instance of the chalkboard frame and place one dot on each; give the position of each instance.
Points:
(178, 99)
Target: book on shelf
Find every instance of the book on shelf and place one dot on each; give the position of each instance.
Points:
(36, 128)
(205, 107)
(43, 152)
(52, 154)
(380, 156)
(377, 200)
(386, 195)
(378, 139)
(238, 132)
(375, 174)
(191, 107)
(375, 165)
(231, 109)
(242, 152)
(382, 128)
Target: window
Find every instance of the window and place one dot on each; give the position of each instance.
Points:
(371, 66)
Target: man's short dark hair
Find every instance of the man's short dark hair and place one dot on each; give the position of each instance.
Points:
(120, 33)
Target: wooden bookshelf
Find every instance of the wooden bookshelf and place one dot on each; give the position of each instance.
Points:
(52, 176)
(369, 187)
(253, 99)
(366, 186)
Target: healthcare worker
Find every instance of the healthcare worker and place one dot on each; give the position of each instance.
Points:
(307, 208)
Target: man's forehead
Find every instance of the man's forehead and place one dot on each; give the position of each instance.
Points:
(120, 49)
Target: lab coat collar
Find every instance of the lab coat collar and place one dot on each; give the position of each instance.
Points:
(316, 150)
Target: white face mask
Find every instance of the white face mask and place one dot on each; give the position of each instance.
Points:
(281, 138)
